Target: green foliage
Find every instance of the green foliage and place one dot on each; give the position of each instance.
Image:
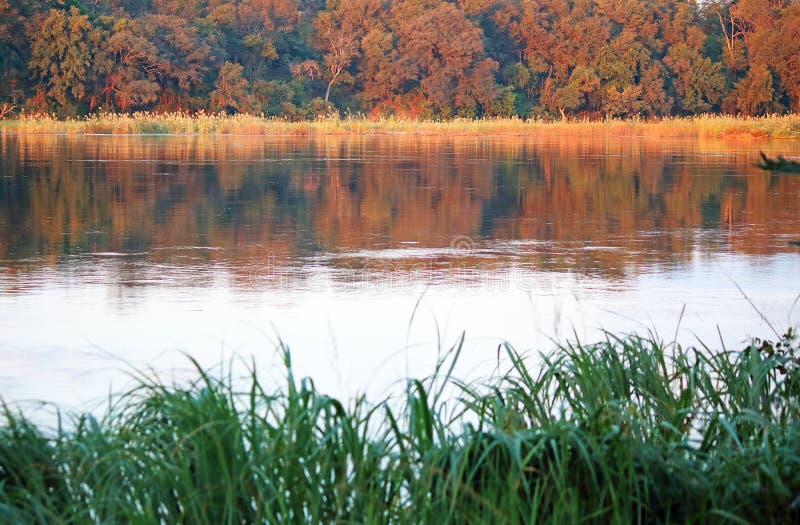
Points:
(62, 51)
(754, 94)
(624, 431)
(698, 82)
(516, 75)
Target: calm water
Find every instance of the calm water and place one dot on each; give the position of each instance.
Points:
(369, 255)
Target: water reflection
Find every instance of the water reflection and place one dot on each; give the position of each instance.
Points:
(608, 207)
(145, 245)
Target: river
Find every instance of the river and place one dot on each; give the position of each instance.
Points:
(369, 256)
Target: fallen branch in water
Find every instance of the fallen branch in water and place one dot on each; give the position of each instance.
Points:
(781, 164)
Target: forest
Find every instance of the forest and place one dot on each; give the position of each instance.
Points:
(431, 59)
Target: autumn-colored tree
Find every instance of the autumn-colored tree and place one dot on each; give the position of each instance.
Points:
(753, 95)
(130, 64)
(620, 66)
(376, 67)
(786, 61)
(554, 38)
(339, 30)
(155, 57)
(230, 89)
(582, 82)
(654, 94)
(340, 47)
(760, 38)
(440, 56)
(62, 50)
(262, 25)
(437, 58)
(188, 9)
(130, 7)
(11, 38)
(775, 42)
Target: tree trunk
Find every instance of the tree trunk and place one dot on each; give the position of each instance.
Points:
(728, 39)
(333, 79)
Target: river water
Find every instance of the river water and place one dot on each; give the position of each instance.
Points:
(370, 256)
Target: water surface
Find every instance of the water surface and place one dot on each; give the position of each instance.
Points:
(370, 255)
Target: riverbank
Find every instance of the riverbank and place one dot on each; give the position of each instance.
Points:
(712, 126)
(627, 430)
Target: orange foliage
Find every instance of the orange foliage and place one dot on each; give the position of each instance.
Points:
(639, 201)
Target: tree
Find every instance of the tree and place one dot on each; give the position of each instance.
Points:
(63, 48)
(787, 61)
(621, 66)
(698, 82)
(340, 44)
(261, 26)
(187, 9)
(154, 51)
(129, 65)
(582, 82)
(13, 54)
(553, 38)
(230, 88)
(753, 95)
(440, 57)
(654, 95)
(136, 94)
(775, 43)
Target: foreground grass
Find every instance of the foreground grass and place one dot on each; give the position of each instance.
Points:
(618, 432)
(776, 126)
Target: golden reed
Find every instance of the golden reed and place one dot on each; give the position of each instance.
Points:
(716, 126)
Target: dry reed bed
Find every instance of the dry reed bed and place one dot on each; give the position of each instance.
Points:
(713, 126)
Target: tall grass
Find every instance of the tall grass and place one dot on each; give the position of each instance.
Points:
(626, 430)
(719, 126)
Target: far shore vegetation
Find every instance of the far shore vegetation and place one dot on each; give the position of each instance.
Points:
(628, 430)
(410, 59)
(713, 126)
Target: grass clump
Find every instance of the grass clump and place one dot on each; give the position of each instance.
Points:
(626, 430)
(712, 126)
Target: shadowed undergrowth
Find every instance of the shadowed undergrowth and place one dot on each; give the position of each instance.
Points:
(626, 430)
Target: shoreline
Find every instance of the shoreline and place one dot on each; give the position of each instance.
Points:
(784, 127)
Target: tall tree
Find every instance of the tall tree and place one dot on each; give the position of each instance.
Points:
(339, 30)
(753, 95)
(698, 81)
(775, 42)
(440, 58)
(230, 89)
(13, 56)
(155, 58)
(62, 51)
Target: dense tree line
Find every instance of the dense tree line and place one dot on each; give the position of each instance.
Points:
(426, 58)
